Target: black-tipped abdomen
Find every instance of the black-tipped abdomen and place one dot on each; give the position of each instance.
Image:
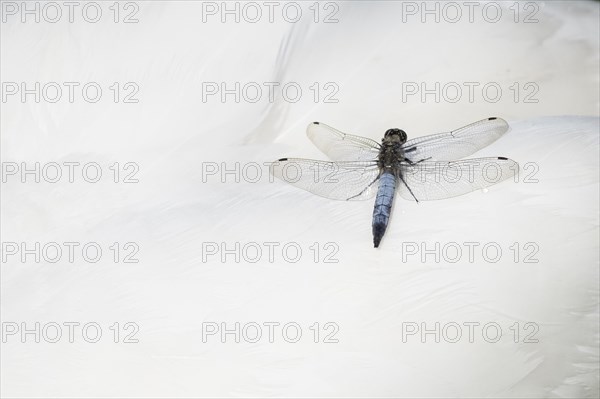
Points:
(378, 232)
(383, 206)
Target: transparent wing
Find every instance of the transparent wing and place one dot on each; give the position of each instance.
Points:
(457, 144)
(335, 180)
(434, 180)
(340, 146)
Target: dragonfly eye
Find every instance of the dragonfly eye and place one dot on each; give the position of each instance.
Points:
(396, 132)
(403, 136)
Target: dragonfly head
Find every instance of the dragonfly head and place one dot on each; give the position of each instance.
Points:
(395, 135)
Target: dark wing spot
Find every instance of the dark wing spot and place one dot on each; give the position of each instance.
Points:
(502, 158)
(315, 123)
(492, 118)
(282, 159)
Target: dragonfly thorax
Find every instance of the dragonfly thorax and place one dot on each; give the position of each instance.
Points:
(395, 136)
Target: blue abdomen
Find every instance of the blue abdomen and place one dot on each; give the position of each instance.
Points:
(383, 206)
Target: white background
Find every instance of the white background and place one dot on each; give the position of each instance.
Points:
(174, 134)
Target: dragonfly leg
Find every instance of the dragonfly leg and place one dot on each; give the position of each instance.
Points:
(366, 188)
(407, 186)
(414, 163)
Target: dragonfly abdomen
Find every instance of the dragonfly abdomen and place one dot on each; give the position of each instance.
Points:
(383, 205)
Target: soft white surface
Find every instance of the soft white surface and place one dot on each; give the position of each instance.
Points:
(369, 293)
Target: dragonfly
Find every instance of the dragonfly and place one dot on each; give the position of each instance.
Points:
(421, 169)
